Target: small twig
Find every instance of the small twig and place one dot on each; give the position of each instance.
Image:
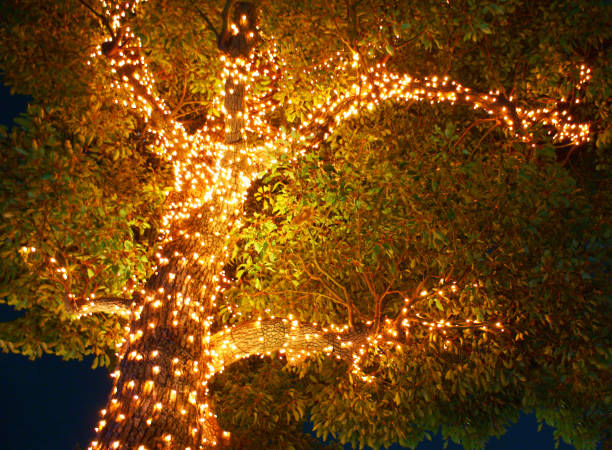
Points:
(100, 17)
(472, 125)
(485, 135)
(568, 156)
(208, 22)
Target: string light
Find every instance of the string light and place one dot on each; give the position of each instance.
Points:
(211, 179)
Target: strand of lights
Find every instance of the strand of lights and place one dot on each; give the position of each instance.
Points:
(297, 341)
(378, 85)
(87, 302)
(211, 179)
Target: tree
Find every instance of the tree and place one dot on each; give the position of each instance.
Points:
(402, 186)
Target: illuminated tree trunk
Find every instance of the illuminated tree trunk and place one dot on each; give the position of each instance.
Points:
(160, 396)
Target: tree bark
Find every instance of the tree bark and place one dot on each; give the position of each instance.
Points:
(159, 399)
(160, 394)
(108, 305)
(296, 340)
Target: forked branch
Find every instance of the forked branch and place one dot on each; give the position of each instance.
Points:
(100, 17)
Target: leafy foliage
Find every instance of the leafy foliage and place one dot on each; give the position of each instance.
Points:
(247, 401)
(68, 232)
(381, 213)
(397, 199)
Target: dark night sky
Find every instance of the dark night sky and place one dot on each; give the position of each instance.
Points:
(50, 404)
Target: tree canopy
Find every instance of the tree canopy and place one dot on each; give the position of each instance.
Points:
(428, 200)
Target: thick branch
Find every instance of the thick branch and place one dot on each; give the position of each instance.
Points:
(388, 86)
(296, 340)
(127, 74)
(225, 16)
(109, 305)
(239, 36)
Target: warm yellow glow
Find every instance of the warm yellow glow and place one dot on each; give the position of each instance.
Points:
(212, 177)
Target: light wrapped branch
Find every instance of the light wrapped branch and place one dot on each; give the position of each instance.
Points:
(294, 339)
(299, 340)
(109, 305)
(381, 85)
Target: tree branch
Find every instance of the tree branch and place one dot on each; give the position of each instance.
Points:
(225, 15)
(389, 86)
(100, 17)
(208, 22)
(296, 340)
(108, 305)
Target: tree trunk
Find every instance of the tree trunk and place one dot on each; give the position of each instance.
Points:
(160, 395)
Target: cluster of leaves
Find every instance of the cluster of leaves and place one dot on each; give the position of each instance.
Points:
(183, 55)
(402, 198)
(81, 185)
(247, 400)
(396, 200)
(526, 50)
(66, 203)
(399, 199)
